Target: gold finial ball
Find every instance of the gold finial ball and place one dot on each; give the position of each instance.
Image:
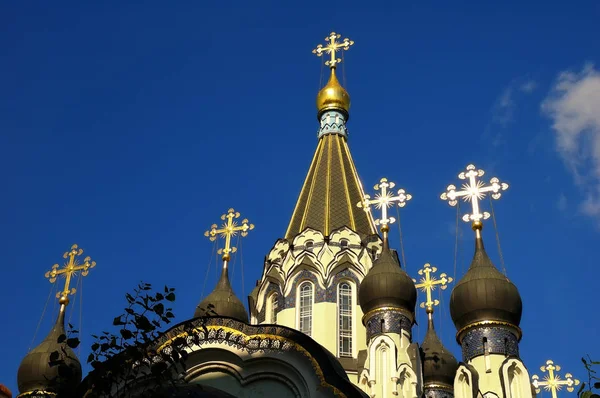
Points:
(429, 309)
(333, 96)
(477, 225)
(63, 300)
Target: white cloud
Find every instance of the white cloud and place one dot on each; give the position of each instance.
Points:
(503, 108)
(574, 108)
(528, 86)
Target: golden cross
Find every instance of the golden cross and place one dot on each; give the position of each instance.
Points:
(552, 382)
(229, 228)
(331, 47)
(384, 200)
(71, 268)
(474, 191)
(428, 284)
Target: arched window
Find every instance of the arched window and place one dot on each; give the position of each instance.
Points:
(306, 303)
(272, 307)
(345, 319)
(344, 243)
(309, 245)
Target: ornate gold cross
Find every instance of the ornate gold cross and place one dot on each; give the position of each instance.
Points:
(384, 200)
(552, 382)
(229, 228)
(331, 47)
(428, 285)
(71, 268)
(474, 191)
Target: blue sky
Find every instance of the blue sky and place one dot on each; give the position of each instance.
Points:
(129, 129)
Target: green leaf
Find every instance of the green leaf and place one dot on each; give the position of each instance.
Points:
(90, 358)
(73, 342)
(169, 314)
(95, 347)
(170, 296)
(586, 394)
(126, 334)
(54, 356)
(597, 385)
(61, 339)
(118, 321)
(159, 309)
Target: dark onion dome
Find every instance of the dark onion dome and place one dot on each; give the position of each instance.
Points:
(387, 285)
(222, 302)
(439, 365)
(35, 372)
(484, 294)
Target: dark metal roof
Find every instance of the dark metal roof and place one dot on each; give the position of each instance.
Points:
(35, 372)
(484, 294)
(387, 285)
(331, 192)
(439, 365)
(222, 302)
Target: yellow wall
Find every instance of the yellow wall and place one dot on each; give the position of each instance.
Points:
(490, 374)
(325, 326)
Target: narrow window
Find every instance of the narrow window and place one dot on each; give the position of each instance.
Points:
(272, 308)
(345, 319)
(486, 354)
(344, 243)
(306, 302)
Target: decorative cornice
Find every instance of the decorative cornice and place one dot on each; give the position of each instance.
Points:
(515, 329)
(333, 122)
(408, 314)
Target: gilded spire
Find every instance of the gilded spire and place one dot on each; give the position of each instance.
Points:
(428, 285)
(439, 365)
(229, 228)
(333, 96)
(71, 268)
(474, 190)
(383, 201)
(553, 382)
(222, 301)
(36, 374)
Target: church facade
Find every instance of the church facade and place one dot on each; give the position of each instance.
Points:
(333, 311)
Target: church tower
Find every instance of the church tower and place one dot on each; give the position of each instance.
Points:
(387, 296)
(486, 309)
(222, 301)
(52, 369)
(311, 276)
(439, 365)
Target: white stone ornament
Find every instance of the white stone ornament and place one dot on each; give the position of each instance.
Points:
(474, 191)
(384, 200)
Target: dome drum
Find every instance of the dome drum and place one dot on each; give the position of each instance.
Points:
(388, 320)
(496, 338)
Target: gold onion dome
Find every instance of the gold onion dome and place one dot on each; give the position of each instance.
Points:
(333, 96)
